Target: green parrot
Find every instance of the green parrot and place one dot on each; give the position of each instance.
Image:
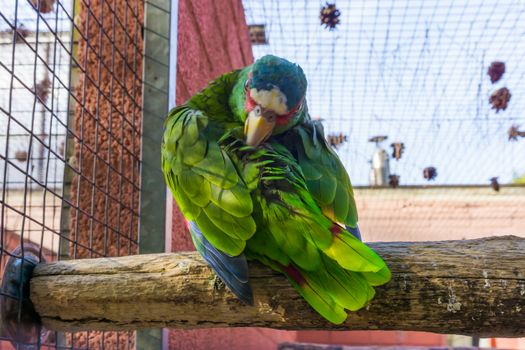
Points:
(256, 179)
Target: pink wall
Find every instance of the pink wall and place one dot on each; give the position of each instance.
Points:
(213, 39)
(385, 338)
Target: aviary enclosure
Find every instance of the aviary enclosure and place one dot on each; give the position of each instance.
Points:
(423, 102)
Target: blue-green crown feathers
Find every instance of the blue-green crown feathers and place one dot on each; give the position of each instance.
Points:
(269, 71)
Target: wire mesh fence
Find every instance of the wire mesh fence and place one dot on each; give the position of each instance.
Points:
(422, 74)
(70, 128)
(415, 71)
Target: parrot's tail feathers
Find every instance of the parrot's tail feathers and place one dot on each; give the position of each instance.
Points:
(319, 300)
(348, 289)
(355, 231)
(233, 270)
(351, 253)
(378, 278)
(331, 289)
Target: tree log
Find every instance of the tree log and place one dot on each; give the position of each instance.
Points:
(471, 287)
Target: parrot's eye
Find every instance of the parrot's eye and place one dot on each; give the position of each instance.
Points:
(257, 110)
(247, 84)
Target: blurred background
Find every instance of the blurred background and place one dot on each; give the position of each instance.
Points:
(422, 101)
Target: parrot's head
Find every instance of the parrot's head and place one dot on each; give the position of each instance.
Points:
(275, 95)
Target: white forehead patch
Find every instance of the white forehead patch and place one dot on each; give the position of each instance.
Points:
(273, 99)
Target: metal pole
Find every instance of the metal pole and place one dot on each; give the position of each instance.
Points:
(160, 57)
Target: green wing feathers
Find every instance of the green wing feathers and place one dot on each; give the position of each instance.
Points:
(330, 268)
(325, 175)
(205, 182)
(285, 203)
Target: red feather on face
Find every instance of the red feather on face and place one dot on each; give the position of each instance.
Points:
(285, 118)
(250, 103)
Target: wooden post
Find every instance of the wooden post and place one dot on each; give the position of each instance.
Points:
(472, 287)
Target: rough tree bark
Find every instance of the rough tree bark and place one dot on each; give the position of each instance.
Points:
(473, 287)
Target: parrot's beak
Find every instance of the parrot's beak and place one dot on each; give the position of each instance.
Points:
(258, 126)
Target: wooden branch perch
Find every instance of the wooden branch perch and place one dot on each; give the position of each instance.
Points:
(474, 287)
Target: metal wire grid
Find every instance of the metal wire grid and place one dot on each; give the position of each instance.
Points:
(100, 120)
(415, 71)
(70, 124)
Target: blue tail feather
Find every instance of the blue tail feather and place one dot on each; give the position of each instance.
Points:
(233, 270)
(355, 231)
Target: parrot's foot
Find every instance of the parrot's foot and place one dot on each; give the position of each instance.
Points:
(218, 284)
